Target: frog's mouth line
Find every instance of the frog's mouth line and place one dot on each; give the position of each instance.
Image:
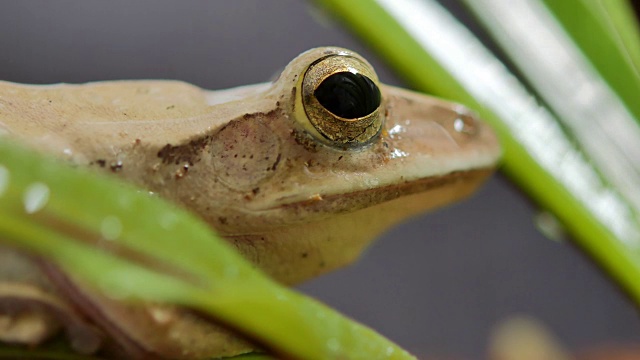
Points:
(360, 199)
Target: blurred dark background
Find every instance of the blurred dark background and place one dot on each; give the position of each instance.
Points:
(436, 285)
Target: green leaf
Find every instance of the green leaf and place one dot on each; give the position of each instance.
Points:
(90, 225)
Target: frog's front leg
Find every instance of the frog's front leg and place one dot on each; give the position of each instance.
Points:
(31, 311)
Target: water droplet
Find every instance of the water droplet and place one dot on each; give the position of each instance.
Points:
(333, 345)
(397, 129)
(4, 179)
(35, 197)
(390, 350)
(168, 220)
(111, 228)
(465, 124)
(397, 153)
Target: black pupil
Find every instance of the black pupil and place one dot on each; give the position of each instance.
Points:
(348, 95)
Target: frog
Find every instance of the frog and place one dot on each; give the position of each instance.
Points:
(299, 174)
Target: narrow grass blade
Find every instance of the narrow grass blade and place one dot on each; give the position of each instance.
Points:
(565, 79)
(59, 212)
(607, 33)
(436, 53)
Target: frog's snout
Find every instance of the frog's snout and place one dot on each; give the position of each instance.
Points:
(427, 126)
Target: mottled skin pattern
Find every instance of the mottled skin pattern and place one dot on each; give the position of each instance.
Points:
(248, 162)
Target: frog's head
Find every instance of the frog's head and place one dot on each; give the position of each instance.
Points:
(300, 174)
(330, 157)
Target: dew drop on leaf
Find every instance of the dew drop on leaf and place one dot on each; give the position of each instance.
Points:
(36, 197)
(168, 220)
(111, 228)
(4, 179)
(333, 345)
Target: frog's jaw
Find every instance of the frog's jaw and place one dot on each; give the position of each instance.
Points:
(294, 253)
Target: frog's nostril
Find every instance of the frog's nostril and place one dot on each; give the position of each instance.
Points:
(348, 95)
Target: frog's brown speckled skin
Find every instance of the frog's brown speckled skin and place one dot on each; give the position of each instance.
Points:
(252, 169)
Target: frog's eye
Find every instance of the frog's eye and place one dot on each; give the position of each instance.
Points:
(342, 100)
(348, 95)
